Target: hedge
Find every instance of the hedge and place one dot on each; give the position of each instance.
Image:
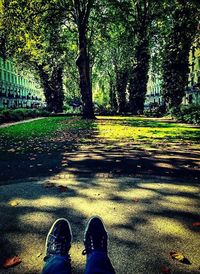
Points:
(13, 115)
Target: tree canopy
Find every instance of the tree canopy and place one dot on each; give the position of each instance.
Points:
(101, 52)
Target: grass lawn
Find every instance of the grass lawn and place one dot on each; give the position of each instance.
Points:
(49, 139)
(140, 130)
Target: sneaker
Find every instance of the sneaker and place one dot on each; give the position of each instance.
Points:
(59, 239)
(95, 237)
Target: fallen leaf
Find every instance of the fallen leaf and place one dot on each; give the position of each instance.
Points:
(12, 261)
(165, 270)
(62, 188)
(196, 224)
(179, 257)
(14, 203)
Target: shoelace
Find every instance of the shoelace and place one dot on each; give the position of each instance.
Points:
(60, 247)
(90, 245)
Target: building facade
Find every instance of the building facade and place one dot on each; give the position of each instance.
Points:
(192, 92)
(18, 90)
(153, 95)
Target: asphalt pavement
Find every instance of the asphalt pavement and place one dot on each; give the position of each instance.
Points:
(146, 220)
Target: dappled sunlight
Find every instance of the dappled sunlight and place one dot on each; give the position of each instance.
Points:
(180, 203)
(36, 219)
(168, 227)
(134, 194)
(171, 187)
(128, 145)
(142, 129)
(117, 168)
(42, 202)
(165, 165)
(141, 216)
(76, 254)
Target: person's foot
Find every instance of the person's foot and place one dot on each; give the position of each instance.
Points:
(95, 237)
(59, 239)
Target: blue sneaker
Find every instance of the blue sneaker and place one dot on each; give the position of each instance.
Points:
(95, 237)
(59, 239)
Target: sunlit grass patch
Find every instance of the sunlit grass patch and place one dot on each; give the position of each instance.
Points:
(51, 133)
(145, 129)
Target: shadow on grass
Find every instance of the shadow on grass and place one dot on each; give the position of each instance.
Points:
(77, 149)
(83, 153)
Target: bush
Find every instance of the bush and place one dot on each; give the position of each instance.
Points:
(70, 110)
(12, 115)
(155, 110)
(102, 109)
(17, 114)
(188, 114)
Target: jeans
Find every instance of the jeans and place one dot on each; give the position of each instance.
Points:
(97, 263)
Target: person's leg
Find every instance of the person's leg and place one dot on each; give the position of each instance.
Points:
(58, 243)
(95, 241)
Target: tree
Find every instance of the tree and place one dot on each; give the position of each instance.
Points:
(82, 12)
(145, 12)
(114, 51)
(176, 60)
(138, 16)
(33, 37)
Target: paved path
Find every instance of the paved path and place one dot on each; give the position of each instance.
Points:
(146, 219)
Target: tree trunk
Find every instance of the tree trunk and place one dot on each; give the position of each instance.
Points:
(84, 73)
(139, 78)
(53, 88)
(57, 84)
(121, 84)
(113, 97)
(176, 61)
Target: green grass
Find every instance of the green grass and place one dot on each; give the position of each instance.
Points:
(57, 130)
(38, 128)
(145, 130)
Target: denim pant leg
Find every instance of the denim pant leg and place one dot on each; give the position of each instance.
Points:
(57, 265)
(98, 262)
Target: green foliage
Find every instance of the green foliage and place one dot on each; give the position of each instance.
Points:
(102, 109)
(70, 110)
(178, 43)
(8, 115)
(189, 114)
(119, 37)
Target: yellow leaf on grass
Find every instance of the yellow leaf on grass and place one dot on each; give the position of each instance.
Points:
(179, 257)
